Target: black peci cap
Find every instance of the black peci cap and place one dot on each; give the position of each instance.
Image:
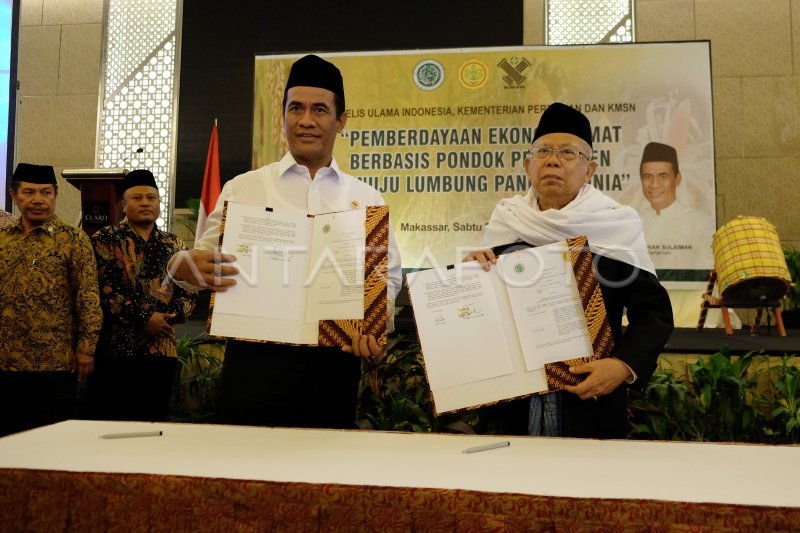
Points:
(139, 177)
(39, 174)
(661, 153)
(561, 118)
(313, 71)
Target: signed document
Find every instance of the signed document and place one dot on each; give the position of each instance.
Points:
(491, 336)
(336, 266)
(270, 250)
(545, 304)
(459, 303)
(295, 270)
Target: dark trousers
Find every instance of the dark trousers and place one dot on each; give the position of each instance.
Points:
(32, 399)
(131, 388)
(604, 418)
(288, 386)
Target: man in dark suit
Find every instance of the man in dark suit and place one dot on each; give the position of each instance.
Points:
(562, 203)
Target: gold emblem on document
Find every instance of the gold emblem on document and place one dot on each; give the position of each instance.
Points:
(354, 204)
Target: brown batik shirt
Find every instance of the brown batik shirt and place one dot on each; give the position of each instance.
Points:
(49, 301)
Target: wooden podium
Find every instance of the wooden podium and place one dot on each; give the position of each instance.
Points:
(101, 195)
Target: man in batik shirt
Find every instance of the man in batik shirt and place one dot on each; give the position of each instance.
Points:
(136, 355)
(49, 307)
(6, 218)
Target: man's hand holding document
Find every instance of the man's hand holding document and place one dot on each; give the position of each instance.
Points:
(503, 334)
(299, 275)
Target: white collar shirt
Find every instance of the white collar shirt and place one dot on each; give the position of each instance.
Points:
(288, 185)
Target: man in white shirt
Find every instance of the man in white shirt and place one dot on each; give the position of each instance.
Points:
(678, 236)
(282, 385)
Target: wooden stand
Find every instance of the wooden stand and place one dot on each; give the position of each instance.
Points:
(100, 195)
(714, 302)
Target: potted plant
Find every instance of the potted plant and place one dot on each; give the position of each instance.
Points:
(194, 394)
(791, 302)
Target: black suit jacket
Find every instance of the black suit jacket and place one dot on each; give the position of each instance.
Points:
(638, 293)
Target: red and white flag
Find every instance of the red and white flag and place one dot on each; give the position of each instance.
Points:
(211, 188)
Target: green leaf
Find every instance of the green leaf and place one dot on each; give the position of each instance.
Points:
(193, 205)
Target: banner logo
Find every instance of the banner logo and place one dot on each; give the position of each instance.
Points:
(473, 74)
(428, 75)
(514, 69)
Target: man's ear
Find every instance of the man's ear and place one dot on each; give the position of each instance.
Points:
(590, 170)
(342, 121)
(525, 163)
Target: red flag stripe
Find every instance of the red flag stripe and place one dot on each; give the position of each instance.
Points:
(211, 187)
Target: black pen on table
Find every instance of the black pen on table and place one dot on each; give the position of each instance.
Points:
(491, 446)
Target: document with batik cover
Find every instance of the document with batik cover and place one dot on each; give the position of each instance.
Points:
(513, 331)
(279, 296)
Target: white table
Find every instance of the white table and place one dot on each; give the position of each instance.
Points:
(385, 475)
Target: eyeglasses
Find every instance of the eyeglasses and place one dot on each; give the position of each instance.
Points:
(564, 154)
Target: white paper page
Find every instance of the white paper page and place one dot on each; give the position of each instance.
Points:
(459, 324)
(518, 383)
(263, 329)
(336, 266)
(271, 250)
(546, 304)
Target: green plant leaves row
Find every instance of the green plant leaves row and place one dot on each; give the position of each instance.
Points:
(792, 298)
(724, 398)
(721, 400)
